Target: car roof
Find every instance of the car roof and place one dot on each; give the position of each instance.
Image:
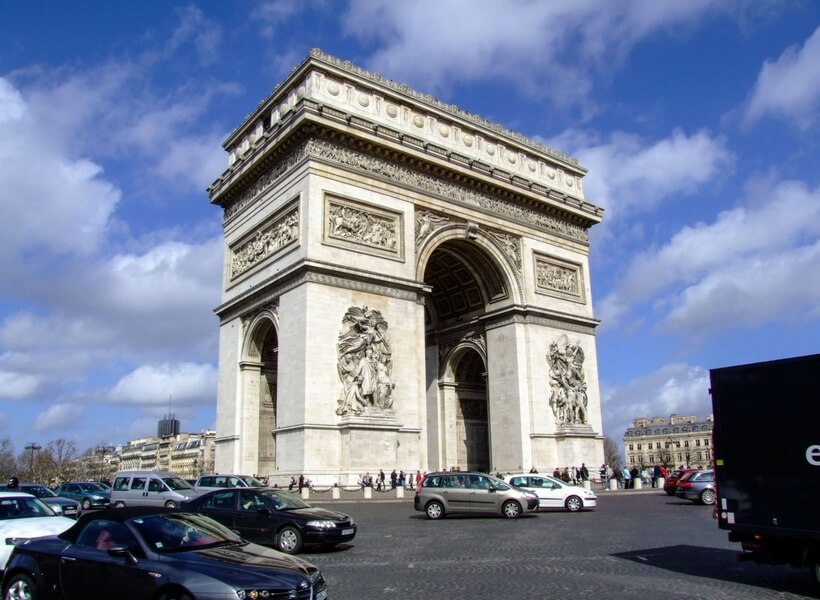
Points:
(15, 495)
(118, 515)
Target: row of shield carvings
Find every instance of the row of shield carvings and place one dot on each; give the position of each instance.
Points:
(378, 231)
(365, 365)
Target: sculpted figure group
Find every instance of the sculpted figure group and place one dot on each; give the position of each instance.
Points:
(365, 364)
(568, 388)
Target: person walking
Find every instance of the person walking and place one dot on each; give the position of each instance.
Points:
(627, 477)
(602, 472)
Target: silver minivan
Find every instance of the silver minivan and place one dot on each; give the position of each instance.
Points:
(150, 488)
(456, 492)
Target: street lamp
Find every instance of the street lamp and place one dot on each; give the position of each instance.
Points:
(102, 451)
(32, 447)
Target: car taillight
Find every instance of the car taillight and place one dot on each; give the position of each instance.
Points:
(686, 484)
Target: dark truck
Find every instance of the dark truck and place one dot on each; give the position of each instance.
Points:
(767, 459)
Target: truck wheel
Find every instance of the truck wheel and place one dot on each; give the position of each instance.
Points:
(707, 496)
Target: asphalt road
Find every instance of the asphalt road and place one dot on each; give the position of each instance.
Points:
(634, 545)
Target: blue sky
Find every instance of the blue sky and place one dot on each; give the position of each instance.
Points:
(698, 122)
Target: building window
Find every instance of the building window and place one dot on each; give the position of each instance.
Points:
(631, 448)
(639, 446)
(651, 458)
(657, 445)
(686, 443)
(697, 443)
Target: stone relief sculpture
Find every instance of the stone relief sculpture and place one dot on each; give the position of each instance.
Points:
(568, 388)
(558, 278)
(427, 222)
(511, 246)
(265, 243)
(362, 227)
(364, 364)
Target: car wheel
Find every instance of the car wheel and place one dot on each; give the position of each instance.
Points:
(670, 493)
(20, 587)
(707, 496)
(434, 510)
(574, 504)
(86, 503)
(511, 509)
(289, 540)
(170, 504)
(119, 504)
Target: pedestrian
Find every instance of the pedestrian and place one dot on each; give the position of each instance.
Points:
(533, 469)
(584, 472)
(301, 481)
(627, 478)
(13, 483)
(393, 479)
(556, 473)
(418, 479)
(602, 474)
(380, 481)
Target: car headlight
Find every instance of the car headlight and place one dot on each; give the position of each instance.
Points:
(56, 508)
(322, 524)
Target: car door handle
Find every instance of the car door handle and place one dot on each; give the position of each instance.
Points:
(68, 558)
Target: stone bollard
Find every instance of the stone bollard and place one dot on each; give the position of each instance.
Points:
(637, 483)
(613, 485)
(399, 492)
(305, 493)
(661, 481)
(336, 493)
(368, 492)
(587, 484)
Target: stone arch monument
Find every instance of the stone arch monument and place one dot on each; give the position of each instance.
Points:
(406, 286)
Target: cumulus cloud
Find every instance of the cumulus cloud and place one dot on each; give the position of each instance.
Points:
(675, 388)
(16, 386)
(58, 417)
(152, 385)
(751, 265)
(530, 44)
(629, 174)
(789, 87)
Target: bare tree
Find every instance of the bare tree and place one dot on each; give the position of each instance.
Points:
(8, 466)
(612, 454)
(63, 454)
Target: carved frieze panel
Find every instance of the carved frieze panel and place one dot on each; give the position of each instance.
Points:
(511, 246)
(559, 278)
(270, 239)
(363, 227)
(427, 222)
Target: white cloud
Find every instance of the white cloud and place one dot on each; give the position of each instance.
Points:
(58, 417)
(672, 389)
(789, 88)
(16, 386)
(531, 44)
(156, 385)
(755, 261)
(67, 211)
(628, 174)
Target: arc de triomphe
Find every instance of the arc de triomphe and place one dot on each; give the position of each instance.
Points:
(406, 286)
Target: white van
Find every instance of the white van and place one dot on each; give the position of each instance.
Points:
(150, 488)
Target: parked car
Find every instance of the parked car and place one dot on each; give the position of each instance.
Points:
(62, 506)
(274, 517)
(22, 516)
(146, 552)
(89, 495)
(216, 482)
(670, 484)
(698, 486)
(150, 488)
(446, 493)
(553, 493)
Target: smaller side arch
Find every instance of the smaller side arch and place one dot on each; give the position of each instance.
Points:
(256, 332)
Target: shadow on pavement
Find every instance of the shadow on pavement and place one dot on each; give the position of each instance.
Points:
(721, 564)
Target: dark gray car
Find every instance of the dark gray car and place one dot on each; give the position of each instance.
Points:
(62, 506)
(698, 486)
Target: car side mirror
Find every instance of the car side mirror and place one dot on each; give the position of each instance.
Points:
(491, 488)
(122, 551)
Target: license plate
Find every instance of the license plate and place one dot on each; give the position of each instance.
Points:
(347, 531)
(321, 594)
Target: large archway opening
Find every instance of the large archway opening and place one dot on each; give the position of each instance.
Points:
(472, 429)
(463, 280)
(263, 363)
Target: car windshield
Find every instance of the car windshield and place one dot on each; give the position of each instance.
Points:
(175, 483)
(40, 491)
(93, 486)
(180, 532)
(285, 500)
(498, 484)
(24, 507)
(89, 487)
(252, 481)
